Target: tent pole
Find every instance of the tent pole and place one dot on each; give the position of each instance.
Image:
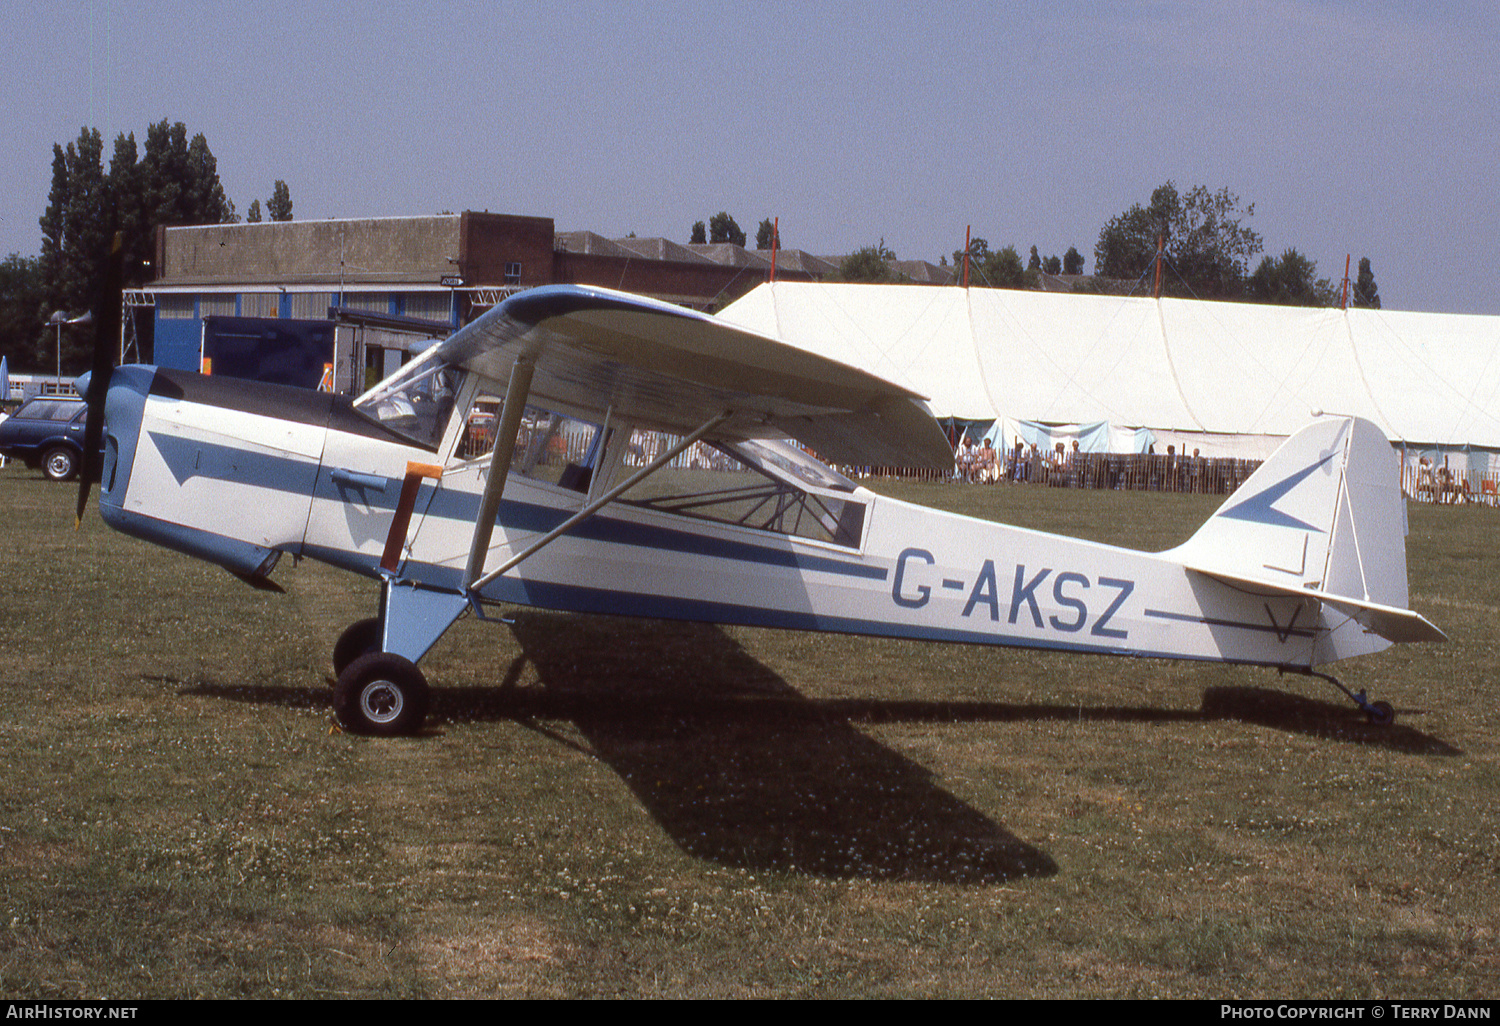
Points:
(1156, 288)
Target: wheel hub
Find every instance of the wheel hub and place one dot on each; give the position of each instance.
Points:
(381, 701)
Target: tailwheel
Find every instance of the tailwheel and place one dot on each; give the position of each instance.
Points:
(381, 694)
(1381, 714)
(361, 638)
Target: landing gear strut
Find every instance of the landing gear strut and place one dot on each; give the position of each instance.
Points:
(1381, 714)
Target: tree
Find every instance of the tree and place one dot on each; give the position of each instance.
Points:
(1366, 293)
(23, 300)
(1052, 265)
(700, 234)
(979, 252)
(1003, 269)
(1290, 280)
(252, 216)
(765, 233)
(1035, 263)
(181, 179)
(1072, 261)
(1202, 238)
(173, 182)
(131, 218)
(207, 203)
(76, 228)
(721, 228)
(868, 264)
(279, 206)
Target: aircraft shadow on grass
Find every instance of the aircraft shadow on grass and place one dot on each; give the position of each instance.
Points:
(740, 768)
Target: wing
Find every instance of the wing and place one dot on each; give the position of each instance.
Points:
(671, 369)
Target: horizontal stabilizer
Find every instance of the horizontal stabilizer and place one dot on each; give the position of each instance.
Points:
(1390, 622)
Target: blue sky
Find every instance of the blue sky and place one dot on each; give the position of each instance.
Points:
(1363, 128)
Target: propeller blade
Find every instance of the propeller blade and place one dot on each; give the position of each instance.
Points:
(106, 337)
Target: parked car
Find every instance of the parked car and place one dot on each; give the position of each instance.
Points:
(46, 433)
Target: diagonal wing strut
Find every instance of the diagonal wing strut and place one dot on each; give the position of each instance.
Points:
(505, 439)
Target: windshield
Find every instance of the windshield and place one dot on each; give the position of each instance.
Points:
(786, 456)
(415, 401)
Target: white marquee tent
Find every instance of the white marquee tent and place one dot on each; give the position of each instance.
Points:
(1230, 378)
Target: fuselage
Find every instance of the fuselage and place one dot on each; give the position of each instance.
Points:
(238, 473)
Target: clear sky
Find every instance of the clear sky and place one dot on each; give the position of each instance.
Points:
(1367, 128)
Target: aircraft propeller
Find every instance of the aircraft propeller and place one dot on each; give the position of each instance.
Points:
(106, 336)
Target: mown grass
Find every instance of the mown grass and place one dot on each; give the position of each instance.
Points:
(633, 808)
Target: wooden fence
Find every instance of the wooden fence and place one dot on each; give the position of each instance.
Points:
(1119, 471)
(1449, 487)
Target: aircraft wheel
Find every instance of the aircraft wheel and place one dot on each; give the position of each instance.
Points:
(381, 694)
(361, 638)
(59, 464)
(1382, 714)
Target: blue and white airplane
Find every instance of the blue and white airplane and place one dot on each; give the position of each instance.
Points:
(585, 450)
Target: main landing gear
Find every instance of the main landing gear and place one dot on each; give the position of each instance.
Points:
(1381, 714)
(376, 692)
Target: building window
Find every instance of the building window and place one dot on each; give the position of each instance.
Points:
(428, 306)
(174, 308)
(311, 306)
(260, 304)
(368, 302)
(216, 305)
(512, 274)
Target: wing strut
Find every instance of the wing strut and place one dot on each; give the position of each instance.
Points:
(505, 446)
(599, 503)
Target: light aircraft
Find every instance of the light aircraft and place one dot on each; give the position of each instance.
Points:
(586, 450)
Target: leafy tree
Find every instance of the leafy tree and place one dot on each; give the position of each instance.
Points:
(1072, 261)
(23, 298)
(1052, 265)
(1366, 293)
(252, 216)
(175, 181)
(979, 252)
(279, 206)
(1003, 270)
(181, 179)
(700, 234)
(1290, 280)
(868, 264)
(1202, 238)
(764, 235)
(721, 228)
(76, 228)
(1035, 263)
(131, 218)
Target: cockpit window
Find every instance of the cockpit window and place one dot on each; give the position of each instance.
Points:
(756, 484)
(792, 460)
(415, 402)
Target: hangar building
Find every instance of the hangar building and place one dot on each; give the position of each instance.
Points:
(367, 291)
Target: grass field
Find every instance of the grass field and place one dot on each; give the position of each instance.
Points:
(633, 808)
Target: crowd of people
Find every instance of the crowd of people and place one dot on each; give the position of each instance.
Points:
(1068, 467)
(1447, 487)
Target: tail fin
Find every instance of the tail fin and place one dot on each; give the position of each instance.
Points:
(1323, 517)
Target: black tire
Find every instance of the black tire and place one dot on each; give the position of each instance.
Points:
(60, 463)
(381, 694)
(361, 638)
(1382, 714)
